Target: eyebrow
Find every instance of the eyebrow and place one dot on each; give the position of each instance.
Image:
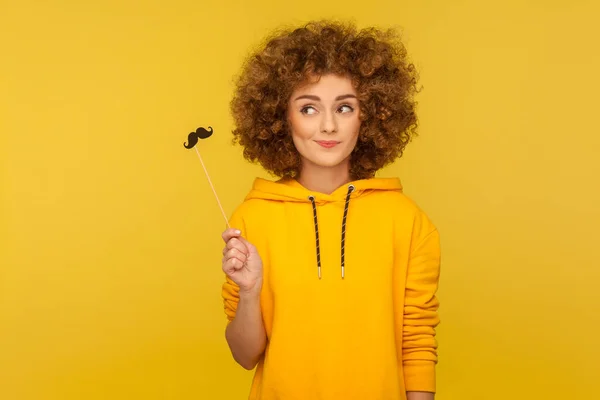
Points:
(316, 98)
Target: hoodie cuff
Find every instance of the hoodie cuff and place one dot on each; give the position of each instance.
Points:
(419, 376)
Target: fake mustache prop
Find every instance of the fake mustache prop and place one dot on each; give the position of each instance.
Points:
(193, 138)
(200, 133)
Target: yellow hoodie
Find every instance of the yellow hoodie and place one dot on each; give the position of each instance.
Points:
(349, 291)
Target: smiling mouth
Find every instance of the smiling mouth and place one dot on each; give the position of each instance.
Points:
(327, 143)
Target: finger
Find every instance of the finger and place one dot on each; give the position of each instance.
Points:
(240, 257)
(236, 243)
(249, 246)
(226, 249)
(235, 253)
(232, 265)
(230, 233)
(233, 243)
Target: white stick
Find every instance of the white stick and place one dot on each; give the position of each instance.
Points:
(212, 187)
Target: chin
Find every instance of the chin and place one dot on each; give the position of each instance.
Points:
(326, 162)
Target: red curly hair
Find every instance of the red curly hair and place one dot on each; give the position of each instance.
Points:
(376, 62)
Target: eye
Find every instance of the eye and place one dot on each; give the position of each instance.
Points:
(345, 108)
(308, 110)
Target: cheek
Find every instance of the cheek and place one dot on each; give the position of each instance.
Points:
(301, 128)
(355, 129)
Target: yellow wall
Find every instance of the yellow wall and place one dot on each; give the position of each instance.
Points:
(110, 266)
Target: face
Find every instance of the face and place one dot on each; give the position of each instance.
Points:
(324, 120)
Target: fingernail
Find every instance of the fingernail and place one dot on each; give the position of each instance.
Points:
(238, 232)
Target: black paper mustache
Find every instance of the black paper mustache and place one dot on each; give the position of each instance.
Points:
(200, 133)
(193, 137)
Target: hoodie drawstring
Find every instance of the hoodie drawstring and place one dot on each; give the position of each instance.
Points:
(350, 190)
(312, 200)
(346, 205)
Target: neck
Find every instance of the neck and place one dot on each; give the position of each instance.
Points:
(324, 179)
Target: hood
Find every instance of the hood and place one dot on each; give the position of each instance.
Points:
(290, 190)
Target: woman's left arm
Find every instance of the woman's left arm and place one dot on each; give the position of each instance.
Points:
(420, 315)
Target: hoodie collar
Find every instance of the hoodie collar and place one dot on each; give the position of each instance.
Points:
(289, 189)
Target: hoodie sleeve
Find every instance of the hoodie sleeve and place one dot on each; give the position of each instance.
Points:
(419, 345)
(230, 290)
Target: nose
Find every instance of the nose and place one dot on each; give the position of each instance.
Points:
(328, 123)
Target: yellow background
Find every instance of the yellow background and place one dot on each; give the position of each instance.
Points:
(110, 259)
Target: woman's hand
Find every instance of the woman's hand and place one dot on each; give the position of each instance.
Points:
(242, 263)
(245, 334)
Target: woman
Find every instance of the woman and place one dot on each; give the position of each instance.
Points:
(331, 273)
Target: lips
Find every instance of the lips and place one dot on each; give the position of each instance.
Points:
(327, 143)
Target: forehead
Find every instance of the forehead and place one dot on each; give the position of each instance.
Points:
(330, 83)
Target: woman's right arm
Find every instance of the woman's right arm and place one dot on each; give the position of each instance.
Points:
(246, 333)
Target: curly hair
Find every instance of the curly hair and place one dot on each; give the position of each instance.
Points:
(376, 62)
